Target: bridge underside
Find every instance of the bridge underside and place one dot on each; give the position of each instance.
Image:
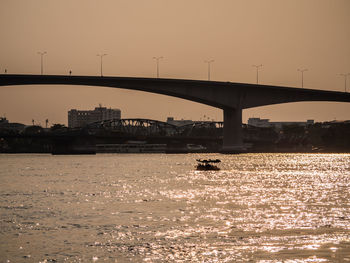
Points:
(232, 98)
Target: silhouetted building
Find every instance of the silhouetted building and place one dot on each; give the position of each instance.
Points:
(80, 118)
(181, 122)
(3, 120)
(265, 123)
(328, 124)
(13, 126)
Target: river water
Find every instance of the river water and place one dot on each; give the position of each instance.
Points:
(158, 208)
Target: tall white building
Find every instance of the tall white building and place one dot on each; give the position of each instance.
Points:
(80, 118)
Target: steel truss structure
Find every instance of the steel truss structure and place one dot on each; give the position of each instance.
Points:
(147, 127)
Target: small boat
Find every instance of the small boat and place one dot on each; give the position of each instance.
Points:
(207, 165)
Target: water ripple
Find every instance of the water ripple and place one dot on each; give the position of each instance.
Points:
(158, 208)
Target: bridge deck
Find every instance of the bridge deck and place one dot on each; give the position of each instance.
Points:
(217, 94)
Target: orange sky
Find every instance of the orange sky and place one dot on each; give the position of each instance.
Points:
(281, 35)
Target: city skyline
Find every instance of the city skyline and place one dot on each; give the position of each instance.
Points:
(283, 37)
(203, 118)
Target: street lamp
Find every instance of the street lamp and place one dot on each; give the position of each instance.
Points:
(42, 60)
(209, 62)
(101, 56)
(157, 60)
(302, 76)
(257, 72)
(345, 77)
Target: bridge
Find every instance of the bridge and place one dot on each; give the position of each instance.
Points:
(147, 127)
(231, 97)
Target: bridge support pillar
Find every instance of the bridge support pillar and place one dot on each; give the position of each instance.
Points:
(233, 133)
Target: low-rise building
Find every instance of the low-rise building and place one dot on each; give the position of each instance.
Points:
(181, 122)
(80, 118)
(265, 123)
(13, 126)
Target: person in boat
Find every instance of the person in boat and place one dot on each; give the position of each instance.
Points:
(209, 161)
(206, 164)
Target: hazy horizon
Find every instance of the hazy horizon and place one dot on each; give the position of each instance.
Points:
(283, 36)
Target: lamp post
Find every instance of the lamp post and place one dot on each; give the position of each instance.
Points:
(157, 61)
(345, 77)
(257, 72)
(302, 76)
(101, 56)
(42, 61)
(209, 62)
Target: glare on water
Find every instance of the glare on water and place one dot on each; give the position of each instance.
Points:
(158, 208)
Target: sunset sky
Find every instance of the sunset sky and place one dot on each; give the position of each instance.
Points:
(282, 35)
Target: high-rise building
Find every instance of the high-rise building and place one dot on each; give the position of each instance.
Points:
(80, 118)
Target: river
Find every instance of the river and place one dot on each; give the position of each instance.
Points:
(158, 208)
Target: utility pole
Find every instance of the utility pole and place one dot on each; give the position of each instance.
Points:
(157, 61)
(209, 62)
(345, 77)
(257, 72)
(302, 76)
(101, 56)
(42, 61)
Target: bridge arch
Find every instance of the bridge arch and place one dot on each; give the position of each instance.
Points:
(136, 127)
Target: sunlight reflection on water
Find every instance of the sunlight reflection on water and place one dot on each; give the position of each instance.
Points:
(157, 208)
